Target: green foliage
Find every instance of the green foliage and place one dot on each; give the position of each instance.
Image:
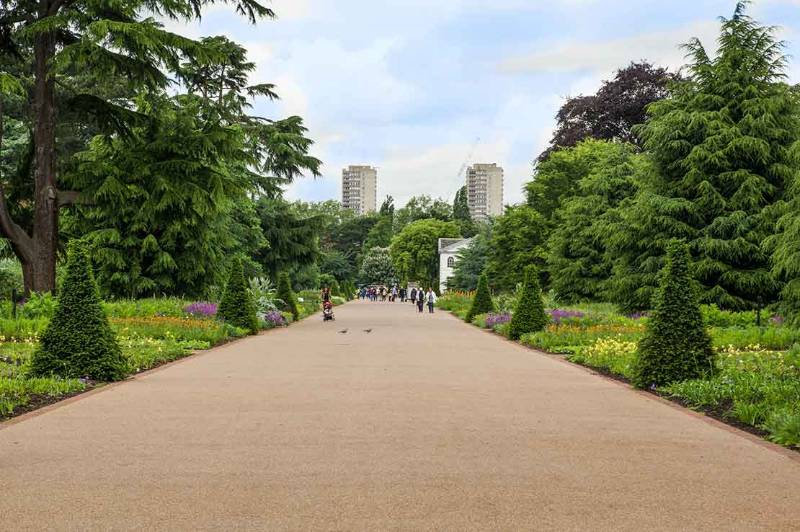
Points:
(415, 250)
(237, 307)
(377, 268)
(722, 149)
(517, 240)
(293, 236)
(676, 345)
(471, 262)
(611, 354)
(482, 301)
(758, 387)
(10, 278)
(79, 341)
(529, 315)
(578, 263)
(422, 208)
(287, 295)
(461, 214)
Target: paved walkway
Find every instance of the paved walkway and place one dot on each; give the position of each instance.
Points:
(423, 424)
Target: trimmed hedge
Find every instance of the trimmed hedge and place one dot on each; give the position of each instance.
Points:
(78, 341)
(237, 307)
(529, 315)
(482, 301)
(676, 346)
(287, 295)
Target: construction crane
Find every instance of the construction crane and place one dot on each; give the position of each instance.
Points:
(460, 175)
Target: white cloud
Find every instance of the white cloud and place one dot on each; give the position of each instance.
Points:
(662, 48)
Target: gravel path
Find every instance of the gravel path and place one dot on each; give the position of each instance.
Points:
(424, 423)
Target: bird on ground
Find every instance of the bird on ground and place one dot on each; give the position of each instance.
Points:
(367, 331)
(343, 331)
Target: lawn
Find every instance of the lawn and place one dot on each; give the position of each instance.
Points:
(757, 385)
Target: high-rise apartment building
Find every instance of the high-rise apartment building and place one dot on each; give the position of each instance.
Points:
(359, 189)
(485, 191)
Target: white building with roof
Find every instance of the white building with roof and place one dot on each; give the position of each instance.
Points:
(448, 257)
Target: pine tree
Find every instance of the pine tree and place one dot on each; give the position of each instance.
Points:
(482, 302)
(287, 295)
(676, 345)
(721, 146)
(237, 307)
(78, 341)
(577, 260)
(529, 315)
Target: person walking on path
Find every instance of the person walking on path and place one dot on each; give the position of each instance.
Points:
(413, 297)
(430, 297)
(420, 300)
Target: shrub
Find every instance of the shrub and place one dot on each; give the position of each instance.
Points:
(529, 316)
(286, 295)
(676, 345)
(613, 354)
(237, 307)
(79, 341)
(482, 302)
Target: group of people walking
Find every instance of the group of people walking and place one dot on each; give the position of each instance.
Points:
(417, 296)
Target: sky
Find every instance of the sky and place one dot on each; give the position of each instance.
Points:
(417, 88)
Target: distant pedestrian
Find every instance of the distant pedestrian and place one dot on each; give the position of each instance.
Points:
(413, 297)
(430, 297)
(420, 301)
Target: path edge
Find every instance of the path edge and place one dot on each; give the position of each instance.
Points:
(788, 453)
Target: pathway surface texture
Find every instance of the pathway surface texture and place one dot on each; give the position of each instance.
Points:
(424, 423)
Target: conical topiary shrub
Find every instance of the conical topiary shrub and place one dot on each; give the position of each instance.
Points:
(482, 301)
(287, 295)
(237, 307)
(676, 345)
(529, 315)
(78, 341)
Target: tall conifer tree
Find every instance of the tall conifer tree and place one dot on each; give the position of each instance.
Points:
(721, 145)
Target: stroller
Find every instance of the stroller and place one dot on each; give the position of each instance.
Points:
(327, 311)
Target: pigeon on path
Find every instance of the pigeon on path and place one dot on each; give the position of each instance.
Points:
(367, 331)
(344, 331)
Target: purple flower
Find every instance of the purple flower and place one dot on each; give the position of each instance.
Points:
(201, 309)
(497, 319)
(275, 318)
(777, 320)
(557, 315)
(638, 315)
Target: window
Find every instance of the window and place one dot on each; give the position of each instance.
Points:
(451, 261)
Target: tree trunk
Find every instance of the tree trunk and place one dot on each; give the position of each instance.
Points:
(45, 220)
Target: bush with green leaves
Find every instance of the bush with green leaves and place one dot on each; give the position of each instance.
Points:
(79, 341)
(237, 307)
(287, 295)
(676, 346)
(482, 301)
(529, 315)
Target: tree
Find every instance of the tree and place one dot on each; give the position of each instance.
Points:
(461, 213)
(415, 251)
(676, 345)
(237, 307)
(721, 146)
(96, 40)
(287, 295)
(482, 300)
(422, 208)
(78, 341)
(335, 264)
(471, 262)
(529, 315)
(163, 200)
(377, 268)
(614, 111)
(517, 240)
(578, 262)
(293, 237)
